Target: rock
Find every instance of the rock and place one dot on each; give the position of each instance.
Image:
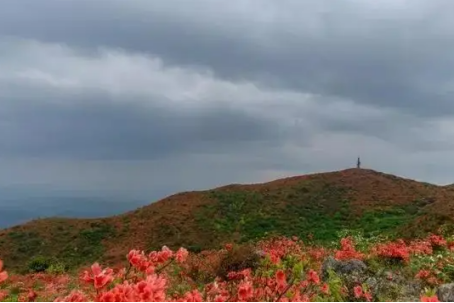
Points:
(328, 264)
(373, 284)
(352, 266)
(384, 285)
(411, 291)
(342, 268)
(445, 293)
(395, 289)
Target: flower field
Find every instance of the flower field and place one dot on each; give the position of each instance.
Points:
(277, 269)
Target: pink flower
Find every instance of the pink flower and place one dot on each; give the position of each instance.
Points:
(98, 276)
(275, 259)
(181, 255)
(422, 274)
(74, 296)
(304, 284)
(421, 247)
(150, 270)
(436, 240)
(193, 296)
(135, 258)
(281, 279)
(152, 289)
(313, 277)
(358, 291)
(368, 296)
(166, 253)
(300, 298)
(221, 298)
(121, 273)
(3, 274)
(325, 289)
(245, 291)
(3, 294)
(161, 256)
(120, 293)
(348, 250)
(451, 245)
(31, 296)
(429, 299)
(393, 250)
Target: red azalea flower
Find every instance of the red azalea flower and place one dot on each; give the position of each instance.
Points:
(422, 274)
(280, 278)
(358, 291)
(181, 255)
(368, 296)
(429, 299)
(245, 291)
(325, 289)
(3, 274)
(313, 277)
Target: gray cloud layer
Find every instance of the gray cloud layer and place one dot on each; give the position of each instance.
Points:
(152, 95)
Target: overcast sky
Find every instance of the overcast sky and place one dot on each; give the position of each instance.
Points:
(162, 96)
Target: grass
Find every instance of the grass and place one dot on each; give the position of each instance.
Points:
(87, 246)
(25, 244)
(243, 213)
(384, 222)
(316, 210)
(319, 212)
(67, 247)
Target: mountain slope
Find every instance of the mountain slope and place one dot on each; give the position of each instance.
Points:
(317, 204)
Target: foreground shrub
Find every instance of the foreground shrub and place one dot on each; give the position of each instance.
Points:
(394, 252)
(277, 269)
(3, 274)
(38, 264)
(238, 258)
(56, 268)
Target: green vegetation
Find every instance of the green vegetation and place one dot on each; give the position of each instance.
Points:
(24, 245)
(253, 215)
(56, 268)
(243, 213)
(321, 212)
(318, 210)
(384, 221)
(87, 246)
(39, 264)
(59, 249)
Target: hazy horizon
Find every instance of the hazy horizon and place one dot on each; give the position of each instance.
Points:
(20, 205)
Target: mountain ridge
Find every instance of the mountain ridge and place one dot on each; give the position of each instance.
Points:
(318, 204)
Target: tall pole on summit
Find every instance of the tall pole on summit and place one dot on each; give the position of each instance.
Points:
(358, 164)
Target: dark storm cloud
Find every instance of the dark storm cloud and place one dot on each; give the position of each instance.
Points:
(385, 54)
(96, 128)
(57, 104)
(78, 81)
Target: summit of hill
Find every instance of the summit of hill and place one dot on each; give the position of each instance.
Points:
(315, 206)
